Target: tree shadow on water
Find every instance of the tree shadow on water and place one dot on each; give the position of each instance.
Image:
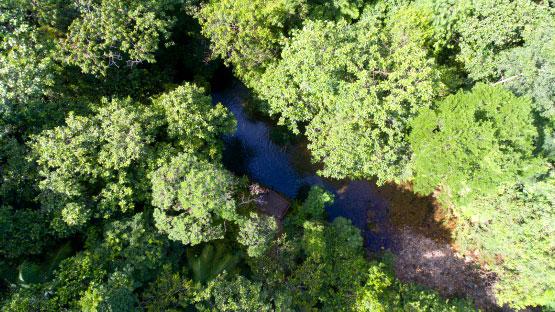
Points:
(235, 156)
(422, 214)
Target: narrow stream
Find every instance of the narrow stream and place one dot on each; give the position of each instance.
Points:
(249, 151)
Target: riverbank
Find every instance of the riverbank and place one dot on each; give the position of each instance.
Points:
(415, 229)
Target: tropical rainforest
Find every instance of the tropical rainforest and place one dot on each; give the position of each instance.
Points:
(114, 195)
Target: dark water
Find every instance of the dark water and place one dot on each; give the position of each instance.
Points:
(250, 151)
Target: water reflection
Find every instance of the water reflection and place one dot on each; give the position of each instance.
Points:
(250, 151)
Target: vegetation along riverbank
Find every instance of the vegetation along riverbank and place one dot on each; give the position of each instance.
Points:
(286, 155)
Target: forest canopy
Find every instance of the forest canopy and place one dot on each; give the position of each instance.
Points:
(116, 192)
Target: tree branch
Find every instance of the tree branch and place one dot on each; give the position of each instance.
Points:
(507, 79)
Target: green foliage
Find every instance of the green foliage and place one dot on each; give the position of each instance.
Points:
(514, 233)
(328, 274)
(170, 291)
(96, 166)
(115, 295)
(475, 147)
(370, 297)
(89, 167)
(72, 280)
(17, 172)
(102, 278)
(95, 155)
(193, 199)
(489, 27)
(530, 69)
(313, 207)
(356, 97)
(226, 292)
(249, 34)
(27, 67)
(548, 145)
(321, 266)
(26, 299)
(31, 272)
(234, 294)
(109, 32)
(474, 142)
(193, 121)
(31, 95)
(22, 232)
(134, 242)
(314, 264)
(275, 266)
(382, 293)
(336, 9)
(54, 16)
(212, 260)
(257, 233)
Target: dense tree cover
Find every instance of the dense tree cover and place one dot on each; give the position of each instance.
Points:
(110, 33)
(249, 34)
(528, 70)
(19, 235)
(515, 230)
(193, 199)
(113, 196)
(371, 94)
(487, 28)
(314, 264)
(88, 166)
(473, 142)
(477, 147)
(27, 70)
(330, 70)
(192, 121)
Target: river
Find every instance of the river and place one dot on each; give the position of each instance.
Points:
(250, 151)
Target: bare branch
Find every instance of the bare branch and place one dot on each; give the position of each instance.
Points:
(507, 79)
